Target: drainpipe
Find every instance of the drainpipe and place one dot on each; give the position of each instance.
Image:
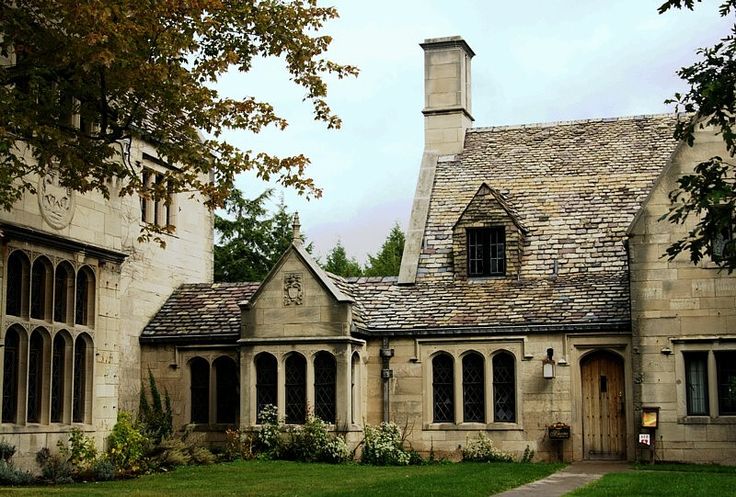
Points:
(386, 375)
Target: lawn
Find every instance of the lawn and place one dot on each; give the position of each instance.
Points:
(672, 480)
(280, 478)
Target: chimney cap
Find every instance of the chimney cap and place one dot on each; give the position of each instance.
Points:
(447, 42)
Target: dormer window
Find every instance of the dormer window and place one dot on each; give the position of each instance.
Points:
(486, 251)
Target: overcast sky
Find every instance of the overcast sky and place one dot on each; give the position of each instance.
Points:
(536, 61)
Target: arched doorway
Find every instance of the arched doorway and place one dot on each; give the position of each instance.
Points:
(604, 400)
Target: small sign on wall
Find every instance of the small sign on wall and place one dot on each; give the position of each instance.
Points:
(645, 439)
(649, 417)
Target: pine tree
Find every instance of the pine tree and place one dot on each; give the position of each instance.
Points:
(339, 263)
(388, 260)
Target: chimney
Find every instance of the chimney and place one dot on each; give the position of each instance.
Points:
(447, 110)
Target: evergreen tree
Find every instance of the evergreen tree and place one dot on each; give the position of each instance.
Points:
(388, 261)
(250, 240)
(339, 263)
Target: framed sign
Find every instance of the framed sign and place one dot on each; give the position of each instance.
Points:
(649, 417)
(645, 439)
(558, 431)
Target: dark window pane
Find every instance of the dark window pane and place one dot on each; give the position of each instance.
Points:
(200, 390)
(443, 389)
(504, 389)
(325, 373)
(80, 380)
(726, 366)
(35, 377)
(82, 297)
(39, 280)
(296, 389)
(62, 284)
(486, 251)
(696, 383)
(10, 376)
(228, 390)
(57, 379)
(17, 272)
(473, 389)
(266, 383)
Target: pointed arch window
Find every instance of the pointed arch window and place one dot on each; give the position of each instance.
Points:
(63, 292)
(11, 379)
(85, 297)
(325, 375)
(58, 376)
(81, 383)
(200, 390)
(504, 388)
(474, 404)
(228, 390)
(36, 375)
(16, 297)
(296, 389)
(266, 383)
(40, 288)
(443, 389)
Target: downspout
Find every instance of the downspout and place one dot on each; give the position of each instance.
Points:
(386, 375)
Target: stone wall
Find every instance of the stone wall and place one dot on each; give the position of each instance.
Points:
(679, 307)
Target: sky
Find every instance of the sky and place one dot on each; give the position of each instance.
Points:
(536, 61)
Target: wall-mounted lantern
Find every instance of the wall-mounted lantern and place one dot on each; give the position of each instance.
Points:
(548, 365)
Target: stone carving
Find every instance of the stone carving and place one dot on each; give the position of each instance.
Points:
(293, 289)
(56, 201)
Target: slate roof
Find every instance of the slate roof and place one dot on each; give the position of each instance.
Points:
(574, 186)
(200, 312)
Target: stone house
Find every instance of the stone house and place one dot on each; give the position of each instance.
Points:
(531, 292)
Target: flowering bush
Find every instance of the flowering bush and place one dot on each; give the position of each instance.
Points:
(384, 446)
(483, 450)
(312, 443)
(267, 441)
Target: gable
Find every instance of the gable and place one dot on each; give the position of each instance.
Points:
(487, 209)
(297, 299)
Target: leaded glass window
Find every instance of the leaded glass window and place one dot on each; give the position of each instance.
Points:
(35, 377)
(486, 251)
(266, 383)
(80, 379)
(443, 391)
(696, 383)
(726, 368)
(16, 299)
(504, 388)
(58, 358)
(200, 390)
(10, 376)
(63, 288)
(296, 389)
(40, 276)
(228, 390)
(325, 372)
(82, 297)
(474, 405)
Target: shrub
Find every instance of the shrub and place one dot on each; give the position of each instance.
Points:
(54, 468)
(201, 455)
(80, 451)
(7, 451)
(155, 418)
(126, 445)
(267, 440)
(312, 442)
(238, 445)
(102, 470)
(528, 455)
(11, 476)
(483, 450)
(383, 446)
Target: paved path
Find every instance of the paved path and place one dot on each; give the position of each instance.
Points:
(566, 480)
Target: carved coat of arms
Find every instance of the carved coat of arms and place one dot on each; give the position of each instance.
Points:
(293, 289)
(56, 201)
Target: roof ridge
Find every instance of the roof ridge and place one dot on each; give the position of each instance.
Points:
(573, 122)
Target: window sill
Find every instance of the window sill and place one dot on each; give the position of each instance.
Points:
(34, 428)
(707, 420)
(472, 427)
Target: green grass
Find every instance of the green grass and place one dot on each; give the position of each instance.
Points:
(671, 480)
(280, 478)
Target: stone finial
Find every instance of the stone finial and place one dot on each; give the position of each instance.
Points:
(296, 227)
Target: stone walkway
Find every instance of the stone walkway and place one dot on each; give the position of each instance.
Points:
(566, 480)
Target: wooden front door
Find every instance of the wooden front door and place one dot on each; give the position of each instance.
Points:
(604, 414)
